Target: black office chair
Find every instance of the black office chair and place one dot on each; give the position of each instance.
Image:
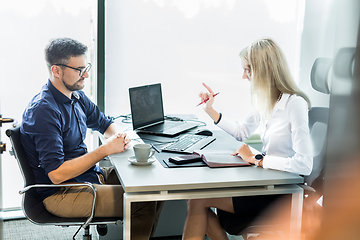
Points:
(33, 206)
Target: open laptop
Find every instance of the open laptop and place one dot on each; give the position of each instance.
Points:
(148, 113)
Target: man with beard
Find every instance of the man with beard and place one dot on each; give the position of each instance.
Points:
(53, 131)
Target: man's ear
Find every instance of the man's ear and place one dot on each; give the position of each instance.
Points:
(56, 71)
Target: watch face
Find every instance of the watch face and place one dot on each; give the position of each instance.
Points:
(259, 156)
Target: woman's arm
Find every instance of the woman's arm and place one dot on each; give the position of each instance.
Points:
(240, 131)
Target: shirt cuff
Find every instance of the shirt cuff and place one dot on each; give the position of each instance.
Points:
(218, 119)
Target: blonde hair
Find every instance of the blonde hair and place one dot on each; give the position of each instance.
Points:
(270, 75)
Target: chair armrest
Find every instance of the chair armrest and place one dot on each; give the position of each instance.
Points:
(57, 185)
(86, 184)
(307, 188)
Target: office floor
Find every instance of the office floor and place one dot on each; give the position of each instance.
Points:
(24, 230)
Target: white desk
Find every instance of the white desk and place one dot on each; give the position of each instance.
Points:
(154, 182)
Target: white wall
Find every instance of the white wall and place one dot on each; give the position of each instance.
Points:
(184, 43)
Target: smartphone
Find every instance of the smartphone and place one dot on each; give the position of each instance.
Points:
(185, 159)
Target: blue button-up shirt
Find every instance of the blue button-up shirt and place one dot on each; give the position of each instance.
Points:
(53, 131)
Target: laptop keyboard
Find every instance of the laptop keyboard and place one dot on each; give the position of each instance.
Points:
(184, 142)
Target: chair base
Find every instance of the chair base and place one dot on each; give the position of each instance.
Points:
(86, 235)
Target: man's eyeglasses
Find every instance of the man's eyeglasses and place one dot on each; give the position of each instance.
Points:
(81, 70)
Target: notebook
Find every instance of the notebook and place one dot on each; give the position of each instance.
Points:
(212, 159)
(216, 159)
(147, 112)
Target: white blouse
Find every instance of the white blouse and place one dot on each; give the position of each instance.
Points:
(286, 137)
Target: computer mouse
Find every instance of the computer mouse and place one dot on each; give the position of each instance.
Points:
(204, 132)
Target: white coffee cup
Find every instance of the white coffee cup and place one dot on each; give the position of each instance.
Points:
(143, 152)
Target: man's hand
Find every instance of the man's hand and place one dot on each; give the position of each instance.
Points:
(127, 140)
(117, 143)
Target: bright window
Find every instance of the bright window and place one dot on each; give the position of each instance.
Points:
(182, 43)
(26, 28)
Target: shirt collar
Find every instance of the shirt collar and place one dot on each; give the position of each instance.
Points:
(75, 97)
(283, 100)
(60, 97)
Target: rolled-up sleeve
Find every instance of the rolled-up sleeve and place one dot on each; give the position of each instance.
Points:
(96, 120)
(44, 128)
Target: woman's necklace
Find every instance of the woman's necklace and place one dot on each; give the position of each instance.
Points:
(277, 101)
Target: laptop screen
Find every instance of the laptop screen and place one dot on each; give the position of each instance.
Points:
(146, 105)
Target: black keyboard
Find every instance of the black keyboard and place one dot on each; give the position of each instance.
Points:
(184, 142)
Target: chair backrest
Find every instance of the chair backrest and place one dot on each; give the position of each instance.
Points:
(318, 118)
(319, 74)
(32, 202)
(18, 150)
(33, 206)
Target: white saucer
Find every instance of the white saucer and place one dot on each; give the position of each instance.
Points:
(133, 161)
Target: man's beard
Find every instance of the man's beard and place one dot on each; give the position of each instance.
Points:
(73, 87)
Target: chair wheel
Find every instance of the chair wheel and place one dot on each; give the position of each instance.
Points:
(102, 229)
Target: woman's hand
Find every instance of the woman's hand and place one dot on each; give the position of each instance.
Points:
(207, 96)
(245, 153)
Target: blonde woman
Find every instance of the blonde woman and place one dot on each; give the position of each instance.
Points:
(280, 112)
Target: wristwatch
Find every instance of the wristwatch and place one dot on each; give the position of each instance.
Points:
(259, 159)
